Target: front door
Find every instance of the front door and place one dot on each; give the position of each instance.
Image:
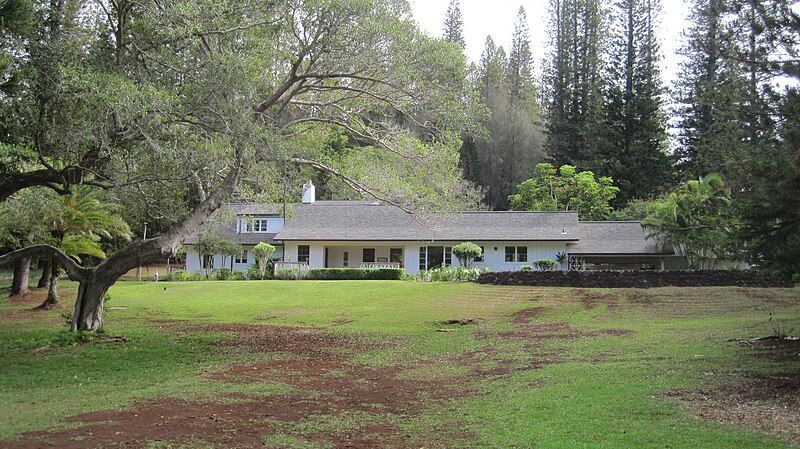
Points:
(435, 257)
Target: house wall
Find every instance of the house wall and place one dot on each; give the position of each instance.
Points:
(494, 253)
(193, 259)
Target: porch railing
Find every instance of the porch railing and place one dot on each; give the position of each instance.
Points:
(301, 267)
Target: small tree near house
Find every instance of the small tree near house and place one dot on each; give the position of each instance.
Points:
(263, 251)
(208, 245)
(467, 252)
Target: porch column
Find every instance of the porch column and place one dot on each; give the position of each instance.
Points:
(661, 262)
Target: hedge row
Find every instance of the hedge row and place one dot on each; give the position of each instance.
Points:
(369, 274)
(635, 279)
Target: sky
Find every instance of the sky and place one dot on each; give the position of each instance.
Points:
(497, 17)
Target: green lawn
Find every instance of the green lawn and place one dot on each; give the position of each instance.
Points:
(586, 368)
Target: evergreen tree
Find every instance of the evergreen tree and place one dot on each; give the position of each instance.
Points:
(636, 156)
(573, 78)
(511, 145)
(710, 92)
(519, 72)
(453, 28)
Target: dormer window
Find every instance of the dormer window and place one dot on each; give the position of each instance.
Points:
(260, 224)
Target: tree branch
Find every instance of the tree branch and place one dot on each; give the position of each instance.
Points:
(355, 184)
(74, 271)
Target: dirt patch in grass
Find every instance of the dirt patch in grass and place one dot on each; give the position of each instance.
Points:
(535, 332)
(591, 299)
(533, 336)
(326, 383)
(768, 403)
(26, 306)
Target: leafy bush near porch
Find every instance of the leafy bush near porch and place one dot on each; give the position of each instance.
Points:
(183, 275)
(357, 274)
(254, 271)
(451, 274)
(286, 273)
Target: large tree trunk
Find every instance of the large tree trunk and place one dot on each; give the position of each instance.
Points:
(88, 314)
(22, 270)
(52, 288)
(45, 277)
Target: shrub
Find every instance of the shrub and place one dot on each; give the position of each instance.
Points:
(183, 275)
(545, 264)
(221, 274)
(371, 274)
(237, 276)
(252, 272)
(526, 267)
(467, 252)
(451, 274)
(287, 273)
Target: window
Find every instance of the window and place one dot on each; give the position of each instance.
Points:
(423, 257)
(516, 254)
(303, 253)
(510, 253)
(479, 258)
(250, 224)
(396, 255)
(522, 254)
(241, 258)
(448, 256)
(368, 255)
(345, 259)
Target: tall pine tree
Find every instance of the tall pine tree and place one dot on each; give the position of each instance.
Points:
(511, 144)
(636, 154)
(453, 28)
(710, 92)
(574, 83)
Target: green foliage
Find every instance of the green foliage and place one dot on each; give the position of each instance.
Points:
(254, 271)
(386, 274)
(467, 252)
(635, 210)
(697, 219)
(451, 274)
(221, 274)
(183, 275)
(564, 190)
(544, 264)
(286, 273)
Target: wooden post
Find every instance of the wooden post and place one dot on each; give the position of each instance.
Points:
(139, 269)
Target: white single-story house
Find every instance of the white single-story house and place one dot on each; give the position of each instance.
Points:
(368, 234)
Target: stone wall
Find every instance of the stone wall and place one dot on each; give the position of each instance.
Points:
(635, 279)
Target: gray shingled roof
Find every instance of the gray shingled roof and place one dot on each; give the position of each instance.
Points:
(360, 220)
(365, 221)
(613, 237)
(223, 223)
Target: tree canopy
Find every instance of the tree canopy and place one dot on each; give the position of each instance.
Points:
(566, 189)
(698, 220)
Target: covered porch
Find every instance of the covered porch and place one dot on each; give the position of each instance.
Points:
(332, 254)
